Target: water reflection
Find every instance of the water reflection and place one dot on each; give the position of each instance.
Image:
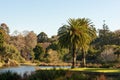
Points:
(28, 69)
(20, 70)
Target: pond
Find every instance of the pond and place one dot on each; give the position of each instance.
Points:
(28, 69)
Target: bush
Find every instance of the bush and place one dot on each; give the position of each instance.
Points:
(46, 74)
(79, 77)
(9, 76)
(95, 65)
(107, 65)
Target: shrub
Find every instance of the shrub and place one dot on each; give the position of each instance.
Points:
(9, 76)
(107, 65)
(46, 74)
(90, 65)
(78, 76)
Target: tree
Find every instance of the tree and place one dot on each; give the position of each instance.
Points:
(75, 35)
(18, 41)
(30, 43)
(31, 40)
(117, 52)
(25, 43)
(116, 38)
(104, 36)
(38, 50)
(107, 54)
(11, 52)
(42, 37)
(1, 40)
(53, 46)
(5, 28)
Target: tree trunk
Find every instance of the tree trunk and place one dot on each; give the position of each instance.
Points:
(118, 56)
(74, 58)
(83, 59)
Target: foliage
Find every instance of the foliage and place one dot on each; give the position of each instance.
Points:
(18, 41)
(25, 44)
(42, 37)
(9, 76)
(5, 27)
(38, 52)
(78, 34)
(117, 52)
(106, 37)
(61, 52)
(30, 43)
(65, 75)
(52, 56)
(116, 38)
(77, 76)
(47, 75)
(11, 52)
(1, 40)
(54, 46)
(75, 41)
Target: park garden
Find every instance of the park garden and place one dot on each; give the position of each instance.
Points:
(93, 54)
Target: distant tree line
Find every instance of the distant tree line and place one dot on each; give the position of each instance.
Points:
(77, 41)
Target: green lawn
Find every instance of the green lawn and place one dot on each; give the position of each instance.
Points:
(102, 70)
(99, 70)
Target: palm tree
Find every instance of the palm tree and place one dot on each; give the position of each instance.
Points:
(75, 35)
(89, 37)
(91, 33)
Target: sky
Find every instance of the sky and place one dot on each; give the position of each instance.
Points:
(49, 15)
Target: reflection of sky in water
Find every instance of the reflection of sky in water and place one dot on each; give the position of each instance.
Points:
(50, 67)
(28, 69)
(20, 70)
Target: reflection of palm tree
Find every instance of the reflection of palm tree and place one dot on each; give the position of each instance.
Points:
(76, 34)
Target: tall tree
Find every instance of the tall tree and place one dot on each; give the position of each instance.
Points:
(42, 37)
(104, 35)
(89, 34)
(18, 41)
(1, 40)
(116, 38)
(5, 27)
(31, 40)
(30, 43)
(75, 35)
(38, 50)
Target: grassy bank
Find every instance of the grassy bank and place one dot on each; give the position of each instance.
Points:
(1, 64)
(29, 64)
(99, 70)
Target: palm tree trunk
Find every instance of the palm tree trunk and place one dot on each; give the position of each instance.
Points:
(83, 58)
(118, 56)
(74, 58)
